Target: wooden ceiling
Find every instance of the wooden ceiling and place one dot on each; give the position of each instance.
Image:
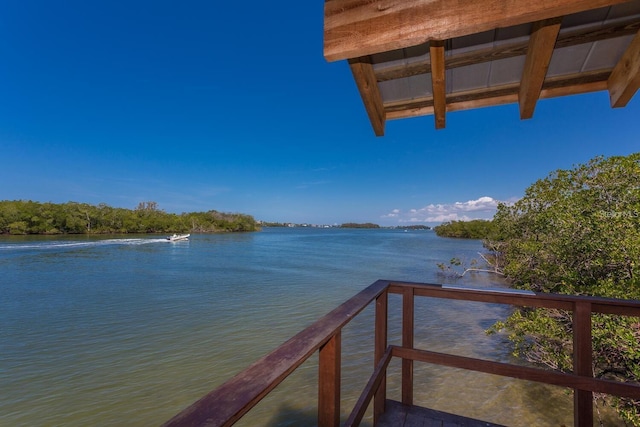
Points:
(429, 57)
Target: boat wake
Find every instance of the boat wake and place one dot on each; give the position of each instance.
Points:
(60, 244)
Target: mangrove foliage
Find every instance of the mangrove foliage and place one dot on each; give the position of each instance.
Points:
(577, 232)
(27, 217)
(475, 229)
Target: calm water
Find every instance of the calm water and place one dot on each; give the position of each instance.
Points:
(128, 331)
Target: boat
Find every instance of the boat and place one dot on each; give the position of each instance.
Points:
(178, 237)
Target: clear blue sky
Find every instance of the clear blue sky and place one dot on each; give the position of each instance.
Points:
(201, 105)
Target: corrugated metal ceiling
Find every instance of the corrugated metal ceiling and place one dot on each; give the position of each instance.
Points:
(592, 56)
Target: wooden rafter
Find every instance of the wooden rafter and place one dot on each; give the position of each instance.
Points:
(436, 53)
(507, 94)
(541, 45)
(510, 50)
(625, 77)
(365, 79)
(356, 28)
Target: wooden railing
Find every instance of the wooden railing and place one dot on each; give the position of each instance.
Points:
(228, 403)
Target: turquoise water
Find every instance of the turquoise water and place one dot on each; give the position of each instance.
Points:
(130, 330)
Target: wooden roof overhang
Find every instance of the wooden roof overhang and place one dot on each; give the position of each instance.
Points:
(429, 57)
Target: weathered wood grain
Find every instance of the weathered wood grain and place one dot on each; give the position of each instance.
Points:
(436, 52)
(354, 28)
(541, 45)
(365, 79)
(625, 77)
(510, 50)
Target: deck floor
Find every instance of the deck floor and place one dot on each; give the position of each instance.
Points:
(399, 415)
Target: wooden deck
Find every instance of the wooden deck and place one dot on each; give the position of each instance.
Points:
(399, 415)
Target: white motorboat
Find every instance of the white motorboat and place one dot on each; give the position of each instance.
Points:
(178, 237)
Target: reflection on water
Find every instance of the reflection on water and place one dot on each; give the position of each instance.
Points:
(110, 331)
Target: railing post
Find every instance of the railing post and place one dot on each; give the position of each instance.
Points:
(582, 363)
(407, 342)
(329, 382)
(380, 345)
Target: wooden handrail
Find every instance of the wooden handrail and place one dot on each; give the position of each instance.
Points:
(519, 298)
(229, 402)
(562, 379)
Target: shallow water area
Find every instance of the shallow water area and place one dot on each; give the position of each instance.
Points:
(129, 330)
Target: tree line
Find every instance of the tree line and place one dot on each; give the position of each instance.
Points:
(28, 217)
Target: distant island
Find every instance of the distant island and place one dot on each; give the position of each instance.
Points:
(357, 225)
(346, 225)
(413, 227)
(19, 217)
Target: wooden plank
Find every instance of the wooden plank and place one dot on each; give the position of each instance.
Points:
(394, 416)
(537, 300)
(565, 85)
(625, 78)
(508, 296)
(454, 106)
(436, 54)
(365, 79)
(408, 308)
(541, 45)
(561, 379)
(329, 382)
(582, 363)
(510, 50)
(354, 28)
(369, 391)
(617, 307)
(577, 89)
(400, 415)
(228, 403)
(380, 348)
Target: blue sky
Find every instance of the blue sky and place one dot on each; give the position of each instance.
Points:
(202, 105)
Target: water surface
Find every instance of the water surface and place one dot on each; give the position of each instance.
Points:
(129, 330)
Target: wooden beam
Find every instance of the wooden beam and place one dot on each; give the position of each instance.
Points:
(625, 77)
(582, 363)
(380, 350)
(507, 94)
(510, 50)
(329, 377)
(365, 79)
(408, 319)
(527, 373)
(436, 54)
(549, 91)
(539, 53)
(355, 28)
